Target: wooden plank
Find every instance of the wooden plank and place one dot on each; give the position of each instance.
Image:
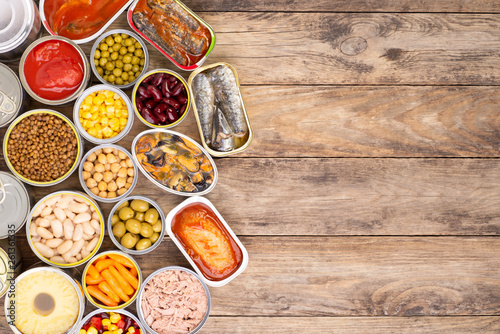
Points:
(351, 276)
(359, 48)
(346, 196)
(349, 325)
(371, 121)
(325, 121)
(353, 49)
(347, 6)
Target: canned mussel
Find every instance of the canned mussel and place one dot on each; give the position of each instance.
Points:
(219, 110)
(174, 162)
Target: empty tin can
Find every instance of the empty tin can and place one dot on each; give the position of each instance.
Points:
(15, 205)
(20, 25)
(10, 264)
(12, 100)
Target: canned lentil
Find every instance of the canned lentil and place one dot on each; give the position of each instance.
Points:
(11, 95)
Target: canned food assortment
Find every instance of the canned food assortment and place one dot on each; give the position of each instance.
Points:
(42, 147)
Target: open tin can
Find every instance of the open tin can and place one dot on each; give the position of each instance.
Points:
(94, 301)
(192, 257)
(145, 318)
(55, 198)
(189, 16)
(167, 185)
(64, 100)
(106, 22)
(10, 164)
(19, 27)
(15, 205)
(12, 100)
(242, 143)
(12, 311)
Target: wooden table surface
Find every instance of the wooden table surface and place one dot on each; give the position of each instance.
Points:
(369, 200)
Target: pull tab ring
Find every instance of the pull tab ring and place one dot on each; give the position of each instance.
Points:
(8, 106)
(2, 190)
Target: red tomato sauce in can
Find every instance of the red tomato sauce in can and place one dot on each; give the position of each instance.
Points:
(54, 70)
(77, 19)
(207, 241)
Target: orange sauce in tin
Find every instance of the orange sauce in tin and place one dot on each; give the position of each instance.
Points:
(207, 241)
(78, 19)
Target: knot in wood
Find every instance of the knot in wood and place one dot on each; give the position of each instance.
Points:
(353, 46)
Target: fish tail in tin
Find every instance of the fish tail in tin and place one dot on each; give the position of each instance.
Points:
(204, 99)
(228, 96)
(222, 136)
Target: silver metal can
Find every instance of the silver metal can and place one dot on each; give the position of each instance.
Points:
(10, 300)
(20, 25)
(86, 71)
(12, 100)
(10, 264)
(154, 205)
(15, 205)
(140, 311)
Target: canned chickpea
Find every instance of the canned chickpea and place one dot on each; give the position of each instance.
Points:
(107, 173)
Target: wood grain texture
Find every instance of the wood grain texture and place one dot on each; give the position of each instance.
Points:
(374, 121)
(346, 196)
(462, 6)
(350, 325)
(421, 49)
(369, 121)
(305, 48)
(351, 276)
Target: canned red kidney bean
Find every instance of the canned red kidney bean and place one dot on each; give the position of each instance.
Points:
(161, 99)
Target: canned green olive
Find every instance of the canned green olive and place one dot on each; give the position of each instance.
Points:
(136, 224)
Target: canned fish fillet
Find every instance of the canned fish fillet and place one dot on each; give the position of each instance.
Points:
(220, 110)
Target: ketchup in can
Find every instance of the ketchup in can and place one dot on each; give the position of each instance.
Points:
(54, 70)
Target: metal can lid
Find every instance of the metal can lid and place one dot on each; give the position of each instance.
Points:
(16, 20)
(4, 269)
(11, 94)
(14, 204)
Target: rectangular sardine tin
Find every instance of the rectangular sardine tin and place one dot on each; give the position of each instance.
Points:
(212, 152)
(161, 50)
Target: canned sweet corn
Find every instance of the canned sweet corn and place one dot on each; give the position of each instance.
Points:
(104, 114)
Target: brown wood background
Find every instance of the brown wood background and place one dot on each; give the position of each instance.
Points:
(369, 201)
